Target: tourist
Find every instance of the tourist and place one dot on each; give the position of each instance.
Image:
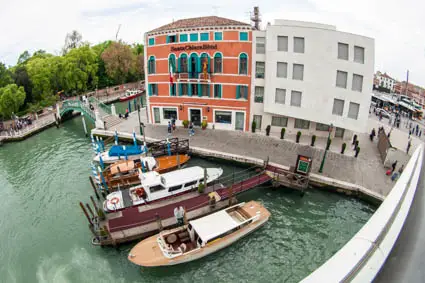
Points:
(354, 139)
(191, 130)
(173, 123)
(408, 146)
(400, 170)
(393, 166)
(169, 128)
(372, 134)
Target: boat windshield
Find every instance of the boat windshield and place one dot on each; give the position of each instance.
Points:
(163, 180)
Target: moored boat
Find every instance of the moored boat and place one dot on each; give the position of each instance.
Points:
(126, 172)
(130, 94)
(121, 152)
(200, 237)
(156, 187)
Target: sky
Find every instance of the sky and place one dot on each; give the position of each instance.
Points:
(398, 27)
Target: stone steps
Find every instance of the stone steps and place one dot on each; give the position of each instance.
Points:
(111, 121)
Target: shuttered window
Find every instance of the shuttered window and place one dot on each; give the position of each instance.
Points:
(298, 72)
(353, 110)
(322, 127)
(341, 79)
(302, 124)
(342, 51)
(338, 107)
(296, 98)
(282, 70)
(357, 83)
(241, 92)
(217, 91)
(282, 43)
(280, 96)
(259, 70)
(359, 54)
(243, 64)
(299, 44)
(279, 121)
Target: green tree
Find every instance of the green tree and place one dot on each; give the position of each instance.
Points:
(24, 57)
(5, 76)
(39, 73)
(119, 61)
(12, 98)
(21, 78)
(103, 79)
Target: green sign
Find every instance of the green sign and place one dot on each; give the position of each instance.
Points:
(303, 166)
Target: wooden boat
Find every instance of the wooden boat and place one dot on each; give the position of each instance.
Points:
(157, 187)
(125, 173)
(200, 237)
(130, 94)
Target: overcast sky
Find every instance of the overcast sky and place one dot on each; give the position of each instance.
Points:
(397, 26)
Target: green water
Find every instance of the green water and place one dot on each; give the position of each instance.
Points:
(44, 235)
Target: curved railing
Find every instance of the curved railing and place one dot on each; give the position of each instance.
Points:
(100, 105)
(77, 105)
(363, 256)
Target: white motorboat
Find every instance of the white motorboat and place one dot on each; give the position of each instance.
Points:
(155, 186)
(121, 152)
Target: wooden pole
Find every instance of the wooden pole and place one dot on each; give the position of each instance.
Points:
(94, 187)
(94, 204)
(85, 213)
(159, 222)
(89, 208)
(205, 177)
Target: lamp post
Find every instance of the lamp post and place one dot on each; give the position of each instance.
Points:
(326, 149)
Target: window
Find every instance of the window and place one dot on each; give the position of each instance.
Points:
(151, 65)
(194, 88)
(218, 66)
(259, 94)
(156, 188)
(353, 110)
(184, 89)
(282, 70)
(182, 68)
(193, 37)
(298, 72)
(243, 64)
(299, 44)
(279, 121)
(173, 89)
(175, 188)
(183, 37)
(296, 98)
(338, 107)
(205, 90)
(218, 35)
(342, 51)
(302, 124)
(224, 117)
(153, 89)
(280, 96)
(190, 184)
(357, 83)
(205, 59)
(341, 79)
(259, 70)
(217, 91)
(172, 63)
(322, 127)
(171, 38)
(169, 113)
(359, 54)
(151, 41)
(257, 119)
(205, 36)
(243, 36)
(241, 92)
(261, 45)
(282, 43)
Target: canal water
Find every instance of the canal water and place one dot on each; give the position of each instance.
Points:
(45, 238)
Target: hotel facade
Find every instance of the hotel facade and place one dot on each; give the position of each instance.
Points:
(298, 75)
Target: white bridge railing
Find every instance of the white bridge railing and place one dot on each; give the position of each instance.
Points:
(363, 256)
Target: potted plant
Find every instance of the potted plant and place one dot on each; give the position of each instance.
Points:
(282, 133)
(328, 143)
(201, 188)
(268, 130)
(357, 151)
(186, 123)
(253, 126)
(344, 145)
(298, 137)
(204, 125)
(313, 140)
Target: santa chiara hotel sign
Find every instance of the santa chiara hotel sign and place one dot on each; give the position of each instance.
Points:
(194, 47)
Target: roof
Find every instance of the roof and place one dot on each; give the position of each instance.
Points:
(386, 76)
(211, 21)
(213, 225)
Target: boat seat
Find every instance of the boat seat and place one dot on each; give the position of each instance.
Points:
(183, 235)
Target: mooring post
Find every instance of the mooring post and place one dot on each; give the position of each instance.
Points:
(89, 208)
(94, 204)
(159, 222)
(94, 187)
(85, 213)
(84, 123)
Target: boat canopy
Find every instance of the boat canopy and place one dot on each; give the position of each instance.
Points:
(122, 150)
(214, 225)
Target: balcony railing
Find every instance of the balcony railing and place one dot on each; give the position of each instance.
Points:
(194, 75)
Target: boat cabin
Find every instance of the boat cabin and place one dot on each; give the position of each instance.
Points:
(204, 231)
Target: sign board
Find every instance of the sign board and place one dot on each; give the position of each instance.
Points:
(194, 47)
(303, 165)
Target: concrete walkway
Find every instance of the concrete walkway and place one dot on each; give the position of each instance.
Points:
(366, 170)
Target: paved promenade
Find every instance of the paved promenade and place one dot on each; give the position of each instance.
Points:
(366, 170)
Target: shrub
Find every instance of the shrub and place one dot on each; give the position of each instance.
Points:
(204, 124)
(328, 143)
(185, 123)
(313, 140)
(344, 145)
(282, 133)
(298, 137)
(253, 126)
(268, 130)
(201, 188)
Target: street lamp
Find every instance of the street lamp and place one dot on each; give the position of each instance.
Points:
(326, 149)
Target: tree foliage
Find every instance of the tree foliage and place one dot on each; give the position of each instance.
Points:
(72, 40)
(24, 57)
(5, 76)
(119, 61)
(12, 98)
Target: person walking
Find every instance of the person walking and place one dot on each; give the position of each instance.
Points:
(169, 128)
(393, 166)
(191, 130)
(372, 134)
(173, 123)
(409, 144)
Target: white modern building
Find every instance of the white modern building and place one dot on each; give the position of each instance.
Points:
(307, 76)
(386, 81)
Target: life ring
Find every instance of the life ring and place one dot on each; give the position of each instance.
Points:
(114, 200)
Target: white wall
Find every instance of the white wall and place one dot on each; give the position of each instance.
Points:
(321, 63)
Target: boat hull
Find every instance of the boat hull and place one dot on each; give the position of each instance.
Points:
(125, 98)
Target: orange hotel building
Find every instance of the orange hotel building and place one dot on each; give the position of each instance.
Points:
(208, 59)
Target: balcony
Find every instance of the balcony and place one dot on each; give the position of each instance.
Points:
(194, 76)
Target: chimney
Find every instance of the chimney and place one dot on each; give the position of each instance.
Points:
(256, 19)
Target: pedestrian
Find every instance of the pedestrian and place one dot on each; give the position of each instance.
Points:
(408, 146)
(354, 139)
(400, 170)
(169, 128)
(191, 130)
(372, 134)
(173, 123)
(393, 166)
